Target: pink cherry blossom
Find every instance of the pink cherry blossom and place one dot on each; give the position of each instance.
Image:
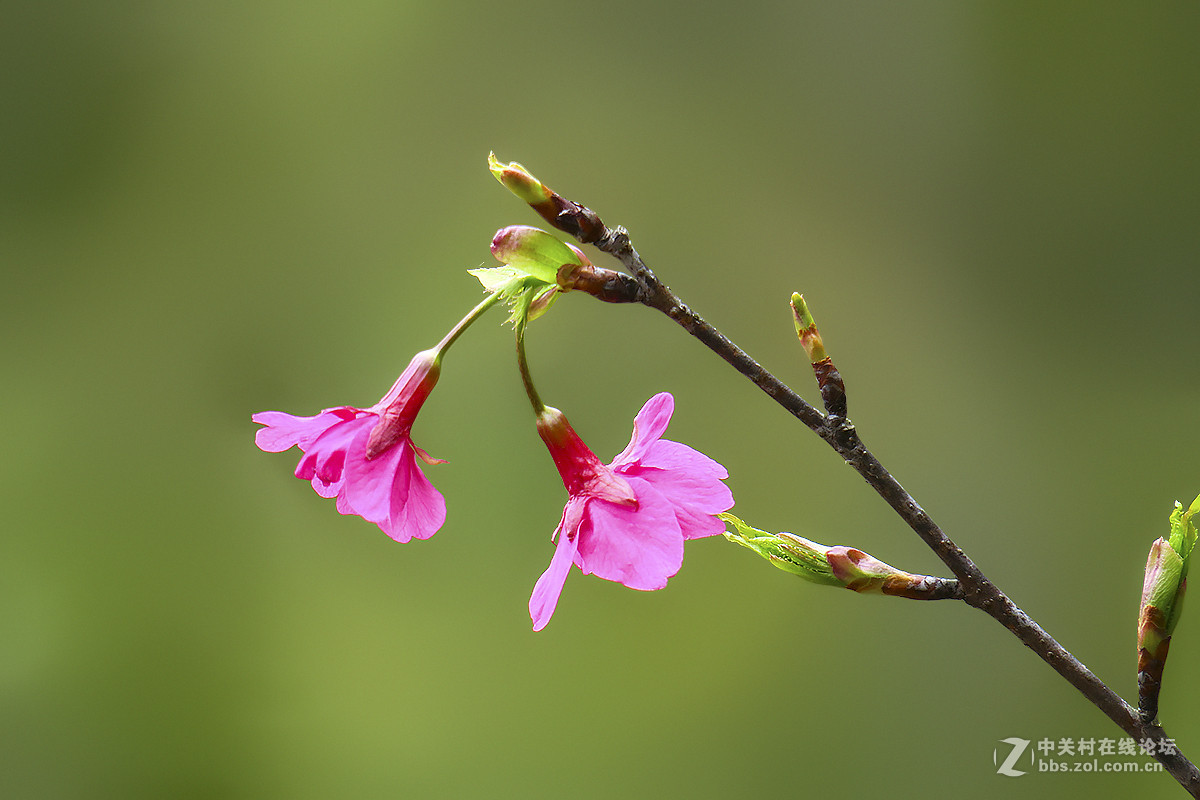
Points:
(627, 521)
(366, 457)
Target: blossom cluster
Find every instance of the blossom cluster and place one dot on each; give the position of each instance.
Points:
(625, 521)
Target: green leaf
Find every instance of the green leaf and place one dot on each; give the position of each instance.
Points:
(494, 278)
(527, 297)
(1183, 532)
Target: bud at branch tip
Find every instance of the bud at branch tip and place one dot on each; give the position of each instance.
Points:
(519, 181)
(842, 566)
(1163, 588)
(833, 389)
(806, 329)
(566, 215)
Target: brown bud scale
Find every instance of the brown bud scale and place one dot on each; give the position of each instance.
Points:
(603, 284)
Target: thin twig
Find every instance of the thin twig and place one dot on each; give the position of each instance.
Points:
(842, 436)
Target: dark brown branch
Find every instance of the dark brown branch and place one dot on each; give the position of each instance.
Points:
(841, 435)
(656, 295)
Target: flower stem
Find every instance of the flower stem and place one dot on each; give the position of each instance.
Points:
(521, 312)
(466, 321)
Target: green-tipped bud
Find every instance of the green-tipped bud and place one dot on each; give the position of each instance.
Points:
(566, 215)
(1163, 588)
(806, 329)
(1162, 591)
(534, 252)
(519, 181)
(790, 553)
(837, 566)
(541, 266)
(528, 281)
(829, 380)
(1166, 578)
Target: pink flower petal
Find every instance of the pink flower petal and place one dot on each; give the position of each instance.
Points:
(285, 430)
(324, 489)
(648, 427)
(368, 485)
(665, 454)
(391, 491)
(638, 547)
(675, 491)
(417, 509)
(685, 488)
(697, 524)
(549, 587)
(572, 517)
(388, 488)
(326, 455)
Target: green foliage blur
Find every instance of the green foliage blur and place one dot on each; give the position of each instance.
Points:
(208, 210)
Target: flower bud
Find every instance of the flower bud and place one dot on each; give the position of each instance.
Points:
(566, 215)
(533, 252)
(838, 566)
(788, 552)
(519, 181)
(806, 329)
(1163, 589)
(864, 573)
(829, 380)
(541, 302)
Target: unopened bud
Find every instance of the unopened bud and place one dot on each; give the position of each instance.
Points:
(1163, 589)
(829, 380)
(533, 252)
(519, 181)
(838, 566)
(788, 552)
(864, 573)
(806, 329)
(541, 303)
(566, 215)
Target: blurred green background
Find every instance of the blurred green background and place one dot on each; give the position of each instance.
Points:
(215, 209)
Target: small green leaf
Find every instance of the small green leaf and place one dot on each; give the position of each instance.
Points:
(1184, 539)
(1183, 533)
(494, 278)
(527, 297)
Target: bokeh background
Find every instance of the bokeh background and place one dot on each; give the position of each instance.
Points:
(215, 209)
